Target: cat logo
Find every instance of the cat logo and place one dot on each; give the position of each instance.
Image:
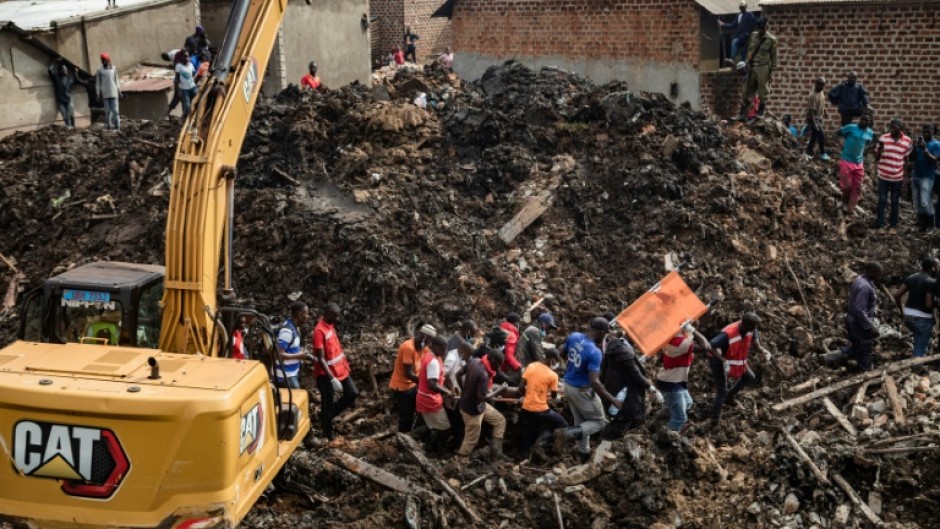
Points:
(251, 430)
(251, 79)
(89, 461)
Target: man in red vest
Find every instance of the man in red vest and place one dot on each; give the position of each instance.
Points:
(728, 359)
(432, 388)
(672, 380)
(332, 370)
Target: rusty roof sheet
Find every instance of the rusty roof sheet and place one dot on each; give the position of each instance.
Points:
(147, 84)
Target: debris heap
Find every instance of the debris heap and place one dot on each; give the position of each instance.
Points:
(525, 185)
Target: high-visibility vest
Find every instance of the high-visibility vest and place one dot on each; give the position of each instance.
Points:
(428, 400)
(738, 349)
(683, 360)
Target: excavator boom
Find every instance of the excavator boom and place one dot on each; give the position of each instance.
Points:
(100, 428)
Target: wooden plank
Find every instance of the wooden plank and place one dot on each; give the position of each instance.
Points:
(891, 388)
(373, 473)
(854, 380)
(588, 471)
(820, 476)
(534, 209)
(412, 447)
(857, 500)
(840, 417)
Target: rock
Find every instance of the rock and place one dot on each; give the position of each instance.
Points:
(841, 517)
(860, 413)
(810, 438)
(669, 146)
(877, 406)
(754, 508)
(796, 311)
(754, 160)
(791, 504)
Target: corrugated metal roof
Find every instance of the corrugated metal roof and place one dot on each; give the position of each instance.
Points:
(726, 7)
(775, 3)
(39, 14)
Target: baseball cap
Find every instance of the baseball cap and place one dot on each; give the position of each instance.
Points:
(600, 324)
(428, 330)
(548, 319)
(105, 57)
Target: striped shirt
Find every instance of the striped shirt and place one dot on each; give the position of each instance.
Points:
(891, 164)
(289, 340)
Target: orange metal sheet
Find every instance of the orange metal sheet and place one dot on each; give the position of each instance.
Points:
(657, 315)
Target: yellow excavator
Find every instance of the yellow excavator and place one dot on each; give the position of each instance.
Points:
(118, 404)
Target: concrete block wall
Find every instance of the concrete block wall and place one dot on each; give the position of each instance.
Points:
(651, 44)
(894, 47)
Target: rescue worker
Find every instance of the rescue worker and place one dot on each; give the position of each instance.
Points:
(673, 378)
(529, 347)
(762, 61)
(621, 370)
(583, 388)
(475, 410)
(404, 380)
(728, 359)
(432, 388)
(918, 310)
(536, 419)
(511, 366)
(290, 345)
(331, 369)
(467, 333)
(860, 325)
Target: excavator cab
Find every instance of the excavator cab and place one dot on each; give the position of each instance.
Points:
(104, 303)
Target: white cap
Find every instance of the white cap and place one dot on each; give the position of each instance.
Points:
(428, 330)
(743, 3)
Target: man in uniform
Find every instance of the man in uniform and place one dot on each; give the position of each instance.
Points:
(762, 61)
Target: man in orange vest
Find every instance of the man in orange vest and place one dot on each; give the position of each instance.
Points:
(332, 370)
(730, 349)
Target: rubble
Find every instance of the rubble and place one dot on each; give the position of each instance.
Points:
(358, 196)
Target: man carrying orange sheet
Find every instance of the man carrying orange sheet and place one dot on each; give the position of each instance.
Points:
(672, 380)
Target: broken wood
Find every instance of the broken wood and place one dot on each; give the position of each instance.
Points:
(534, 209)
(799, 288)
(376, 474)
(803, 386)
(857, 500)
(588, 471)
(840, 417)
(892, 440)
(285, 176)
(860, 394)
(820, 475)
(891, 388)
(375, 382)
(9, 262)
(474, 482)
(853, 380)
(561, 521)
(901, 449)
(412, 447)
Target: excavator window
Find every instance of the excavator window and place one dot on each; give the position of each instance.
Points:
(79, 323)
(149, 314)
(31, 326)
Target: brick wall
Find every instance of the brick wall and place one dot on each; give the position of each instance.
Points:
(895, 49)
(657, 30)
(394, 16)
(721, 92)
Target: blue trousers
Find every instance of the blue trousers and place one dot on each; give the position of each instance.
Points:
(923, 330)
(112, 117)
(678, 403)
(739, 47)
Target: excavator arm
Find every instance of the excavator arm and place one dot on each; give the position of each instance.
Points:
(199, 220)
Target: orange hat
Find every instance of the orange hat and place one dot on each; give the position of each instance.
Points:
(105, 57)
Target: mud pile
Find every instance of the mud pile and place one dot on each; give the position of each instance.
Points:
(359, 196)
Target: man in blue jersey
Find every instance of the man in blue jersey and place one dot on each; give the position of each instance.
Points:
(289, 345)
(583, 388)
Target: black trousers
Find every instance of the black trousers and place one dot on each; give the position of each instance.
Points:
(411, 51)
(722, 393)
(849, 115)
(330, 409)
(816, 137)
(405, 402)
(534, 423)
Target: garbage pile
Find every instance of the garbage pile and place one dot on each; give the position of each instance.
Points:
(524, 186)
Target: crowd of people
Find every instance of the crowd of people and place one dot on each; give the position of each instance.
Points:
(446, 388)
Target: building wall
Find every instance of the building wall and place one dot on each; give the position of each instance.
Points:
(721, 92)
(436, 34)
(327, 31)
(130, 35)
(651, 45)
(895, 49)
(28, 96)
